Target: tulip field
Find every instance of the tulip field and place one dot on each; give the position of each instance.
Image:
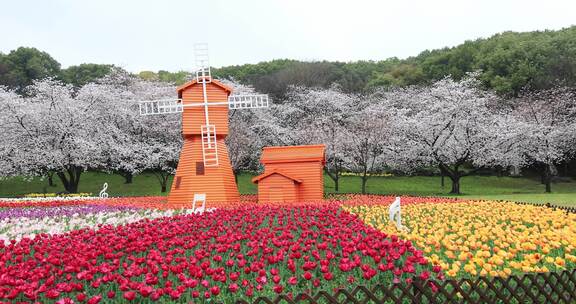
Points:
(136, 250)
(484, 237)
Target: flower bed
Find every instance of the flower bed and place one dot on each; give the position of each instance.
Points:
(41, 212)
(386, 200)
(19, 223)
(227, 254)
(57, 195)
(483, 237)
(125, 249)
(153, 202)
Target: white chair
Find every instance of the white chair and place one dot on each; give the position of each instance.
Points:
(197, 198)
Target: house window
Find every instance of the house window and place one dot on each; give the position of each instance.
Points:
(200, 168)
(178, 182)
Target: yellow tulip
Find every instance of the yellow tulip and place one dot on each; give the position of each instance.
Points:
(498, 237)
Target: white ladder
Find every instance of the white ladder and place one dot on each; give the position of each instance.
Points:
(203, 74)
(209, 146)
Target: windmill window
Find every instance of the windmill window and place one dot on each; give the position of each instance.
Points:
(178, 182)
(200, 168)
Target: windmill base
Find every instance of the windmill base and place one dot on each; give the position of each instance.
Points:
(192, 177)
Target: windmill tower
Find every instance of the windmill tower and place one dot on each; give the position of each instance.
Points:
(204, 166)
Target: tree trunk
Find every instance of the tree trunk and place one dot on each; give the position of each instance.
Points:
(51, 179)
(335, 177)
(455, 184)
(235, 176)
(128, 176)
(70, 178)
(548, 179)
(162, 179)
(454, 176)
(163, 182)
(364, 180)
(336, 183)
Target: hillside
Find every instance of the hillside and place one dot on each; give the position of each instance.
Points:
(509, 61)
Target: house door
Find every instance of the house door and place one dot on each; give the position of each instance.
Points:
(276, 194)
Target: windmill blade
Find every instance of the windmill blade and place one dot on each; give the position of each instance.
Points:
(247, 101)
(161, 106)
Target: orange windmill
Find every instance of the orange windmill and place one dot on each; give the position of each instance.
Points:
(204, 168)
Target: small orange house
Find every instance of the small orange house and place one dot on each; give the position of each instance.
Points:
(291, 174)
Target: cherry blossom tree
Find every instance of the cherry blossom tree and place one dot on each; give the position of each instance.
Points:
(58, 129)
(318, 115)
(243, 144)
(142, 143)
(450, 125)
(9, 141)
(548, 119)
(244, 141)
(53, 130)
(133, 151)
(367, 132)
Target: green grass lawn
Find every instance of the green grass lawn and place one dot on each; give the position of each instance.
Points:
(485, 187)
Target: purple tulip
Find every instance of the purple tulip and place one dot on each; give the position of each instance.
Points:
(40, 212)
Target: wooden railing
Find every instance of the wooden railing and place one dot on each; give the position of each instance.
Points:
(553, 287)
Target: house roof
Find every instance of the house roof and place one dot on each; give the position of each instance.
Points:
(265, 175)
(289, 154)
(193, 82)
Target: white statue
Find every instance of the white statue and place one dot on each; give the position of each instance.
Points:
(396, 214)
(103, 193)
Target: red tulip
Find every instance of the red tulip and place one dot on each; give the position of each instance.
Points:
(316, 282)
(278, 288)
(111, 294)
(174, 295)
(95, 299)
(80, 297)
(51, 294)
(65, 301)
(129, 295)
(433, 286)
(145, 291)
(425, 275)
(155, 295)
(233, 287)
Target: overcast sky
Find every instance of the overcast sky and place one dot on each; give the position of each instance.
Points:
(153, 35)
